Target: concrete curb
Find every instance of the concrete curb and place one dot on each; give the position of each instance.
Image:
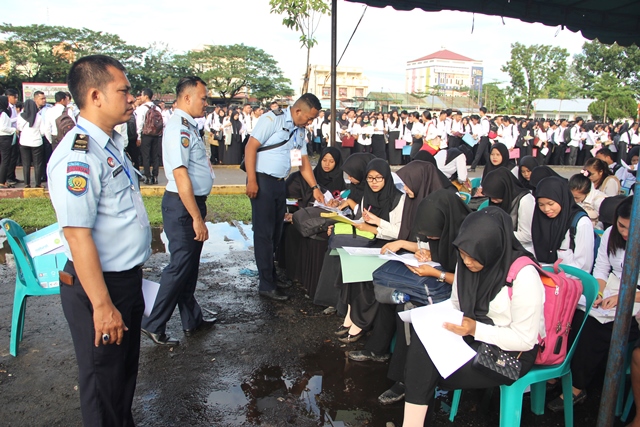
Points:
(145, 190)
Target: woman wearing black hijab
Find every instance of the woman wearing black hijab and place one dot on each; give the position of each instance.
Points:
(506, 192)
(541, 172)
(328, 173)
(552, 219)
(428, 157)
(382, 209)
(7, 133)
(498, 158)
(526, 167)
(31, 146)
(486, 249)
(233, 154)
(355, 167)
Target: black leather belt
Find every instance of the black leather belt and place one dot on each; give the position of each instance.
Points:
(265, 175)
(174, 194)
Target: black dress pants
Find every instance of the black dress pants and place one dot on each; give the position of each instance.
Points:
(151, 149)
(482, 152)
(5, 156)
(267, 216)
(107, 374)
(29, 155)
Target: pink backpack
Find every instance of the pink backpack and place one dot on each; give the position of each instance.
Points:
(561, 295)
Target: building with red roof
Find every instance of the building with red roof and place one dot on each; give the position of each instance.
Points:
(441, 71)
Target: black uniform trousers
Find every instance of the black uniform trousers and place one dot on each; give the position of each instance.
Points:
(134, 153)
(179, 278)
(13, 162)
(267, 216)
(5, 156)
(30, 154)
(107, 374)
(151, 149)
(482, 151)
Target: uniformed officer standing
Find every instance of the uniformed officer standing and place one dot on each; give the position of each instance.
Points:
(280, 138)
(190, 177)
(107, 238)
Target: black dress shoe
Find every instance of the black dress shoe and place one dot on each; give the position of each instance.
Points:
(160, 339)
(154, 180)
(348, 339)
(275, 294)
(283, 285)
(206, 324)
(15, 181)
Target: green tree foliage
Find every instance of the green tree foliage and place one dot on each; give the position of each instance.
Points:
(303, 16)
(229, 70)
(597, 58)
(532, 68)
(43, 53)
(159, 69)
(614, 98)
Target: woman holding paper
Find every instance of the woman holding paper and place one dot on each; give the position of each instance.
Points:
(486, 249)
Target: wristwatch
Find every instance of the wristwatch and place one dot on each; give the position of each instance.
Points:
(315, 187)
(443, 276)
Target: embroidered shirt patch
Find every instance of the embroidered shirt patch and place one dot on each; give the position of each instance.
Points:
(77, 184)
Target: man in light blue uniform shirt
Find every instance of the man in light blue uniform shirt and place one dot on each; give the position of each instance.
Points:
(94, 191)
(276, 143)
(190, 177)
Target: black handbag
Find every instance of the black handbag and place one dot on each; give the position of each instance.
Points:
(498, 364)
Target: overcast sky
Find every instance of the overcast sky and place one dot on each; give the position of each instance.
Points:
(384, 42)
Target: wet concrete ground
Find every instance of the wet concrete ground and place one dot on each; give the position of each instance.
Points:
(265, 363)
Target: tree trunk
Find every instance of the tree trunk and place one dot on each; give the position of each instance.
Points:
(605, 112)
(305, 83)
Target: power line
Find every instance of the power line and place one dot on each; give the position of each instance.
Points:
(349, 42)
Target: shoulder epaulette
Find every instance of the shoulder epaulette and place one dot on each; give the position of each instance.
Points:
(81, 143)
(185, 122)
(277, 112)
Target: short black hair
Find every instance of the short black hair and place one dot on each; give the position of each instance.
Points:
(60, 96)
(579, 119)
(605, 152)
(90, 71)
(581, 183)
(310, 100)
(10, 92)
(147, 92)
(483, 109)
(274, 102)
(38, 92)
(187, 82)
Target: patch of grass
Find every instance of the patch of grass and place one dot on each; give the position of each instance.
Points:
(39, 213)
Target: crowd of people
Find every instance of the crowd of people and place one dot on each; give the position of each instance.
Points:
(533, 212)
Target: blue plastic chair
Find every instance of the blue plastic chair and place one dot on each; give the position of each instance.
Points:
(475, 182)
(466, 197)
(511, 396)
(27, 283)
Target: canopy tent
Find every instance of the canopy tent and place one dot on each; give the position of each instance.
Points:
(608, 21)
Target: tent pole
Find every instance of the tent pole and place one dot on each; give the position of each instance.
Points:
(334, 83)
(622, 322)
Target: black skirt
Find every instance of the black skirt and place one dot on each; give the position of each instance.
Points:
(312, 252)
(395, 154)
(233, 154)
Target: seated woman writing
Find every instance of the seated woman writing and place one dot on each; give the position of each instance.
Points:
(486, 249)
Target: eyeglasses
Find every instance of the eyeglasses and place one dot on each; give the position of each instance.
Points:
(375, 178)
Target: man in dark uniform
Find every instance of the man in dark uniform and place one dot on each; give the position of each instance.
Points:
(107, 238)
(189, 180)
(280, 137)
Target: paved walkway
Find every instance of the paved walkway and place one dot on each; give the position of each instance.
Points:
(229, 180)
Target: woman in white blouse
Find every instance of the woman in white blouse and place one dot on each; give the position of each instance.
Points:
(363, 129)
(593, 346)
(486, 249)
(417, 133)
(7, 133)
(31, 149)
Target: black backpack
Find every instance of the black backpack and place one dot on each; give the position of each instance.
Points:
(567, 134)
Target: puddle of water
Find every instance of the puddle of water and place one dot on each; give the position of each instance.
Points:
(329, 389)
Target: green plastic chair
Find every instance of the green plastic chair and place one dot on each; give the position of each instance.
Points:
(475, 182)
(511, 396)
(483, 205)
(466, 197)
(27, 283)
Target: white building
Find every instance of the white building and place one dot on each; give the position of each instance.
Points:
(444, 70)
(351, 82)
(556, 109)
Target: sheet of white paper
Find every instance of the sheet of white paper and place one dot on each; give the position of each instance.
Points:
(362, 251)
(328, 197)
(325, 207)
(544, 151)
(447, 350)
(149, 292)
(292, 202)
(408, 259)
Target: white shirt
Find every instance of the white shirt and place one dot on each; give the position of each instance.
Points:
(591, 204)
(49, 125)
(459, 165)
(525, 218)
(5, 125)
(510, 136)
(517, 321)
(364, 133)
(166, 114)
(576, 136)
(485, 126)
(30, 136)
(392, 126)
(431, 132)
(417, 130)
(582, 255)
(378, 127)
(389, 230)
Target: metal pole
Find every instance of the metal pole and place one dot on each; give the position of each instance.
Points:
(622, 321)
(334, 82)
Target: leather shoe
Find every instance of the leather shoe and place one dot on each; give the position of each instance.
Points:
(347, 339)
(275, 294)
(393, 395)
(160, 339)
(206, 324)
(557, 404)
(283, 285)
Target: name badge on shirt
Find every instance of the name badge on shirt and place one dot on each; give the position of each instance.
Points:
(296, 157)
